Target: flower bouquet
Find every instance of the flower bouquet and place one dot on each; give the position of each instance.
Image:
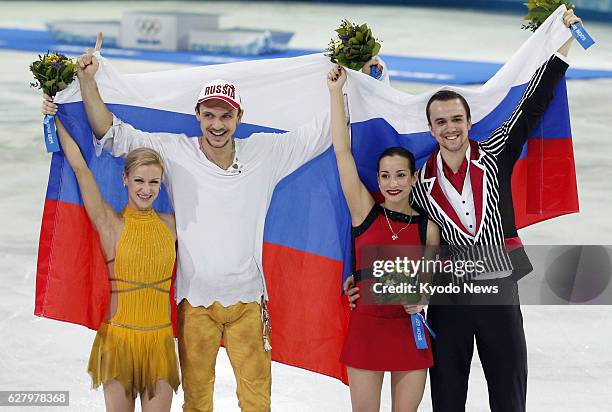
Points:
(354, 46)
(539, 10)
(396, 288)
(53, 73)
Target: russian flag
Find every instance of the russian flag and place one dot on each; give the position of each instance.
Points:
(307, 234)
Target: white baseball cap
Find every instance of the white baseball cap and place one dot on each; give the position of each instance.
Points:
(221, 90)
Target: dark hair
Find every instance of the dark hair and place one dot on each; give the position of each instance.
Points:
(444, 96)
(399, 151)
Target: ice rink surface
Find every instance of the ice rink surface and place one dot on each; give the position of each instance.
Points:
(570, 368)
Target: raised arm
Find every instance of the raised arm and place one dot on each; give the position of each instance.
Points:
(357, 197)
(98, 115)
(514, 132)
(111, 133)
(100, 118)
(102, 216)
(569, 18)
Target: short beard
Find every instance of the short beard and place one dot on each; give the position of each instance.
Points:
(218, 147)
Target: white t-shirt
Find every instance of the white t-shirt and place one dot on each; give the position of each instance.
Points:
(220, 214)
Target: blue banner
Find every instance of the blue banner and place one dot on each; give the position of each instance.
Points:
(50, 134)
(581, 35)
(418, 321)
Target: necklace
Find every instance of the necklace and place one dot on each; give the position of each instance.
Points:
(232, 157)
(395, 235)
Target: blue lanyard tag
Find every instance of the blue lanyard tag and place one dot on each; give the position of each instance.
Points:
(418, 330)
(581, 35)
(375, 73)
(50, 134)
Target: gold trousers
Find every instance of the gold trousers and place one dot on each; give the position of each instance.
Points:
(200, 332)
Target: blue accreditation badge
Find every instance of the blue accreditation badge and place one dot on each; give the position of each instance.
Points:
(581, 35)
(418, 329)
(50, 134)
(375, 72)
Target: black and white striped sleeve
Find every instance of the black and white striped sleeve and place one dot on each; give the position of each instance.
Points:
(513, 133)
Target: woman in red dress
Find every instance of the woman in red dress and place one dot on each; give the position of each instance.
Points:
(381, 337)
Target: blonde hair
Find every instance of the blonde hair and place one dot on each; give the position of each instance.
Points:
(142, 157)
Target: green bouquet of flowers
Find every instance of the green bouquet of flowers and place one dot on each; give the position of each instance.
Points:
(396, 284)
(53, 72)
(539, 10)
(354, 46)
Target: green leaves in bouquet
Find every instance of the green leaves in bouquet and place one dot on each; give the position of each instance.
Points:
(354, 47)
(396, 279)
(53, 72)
(540, 10)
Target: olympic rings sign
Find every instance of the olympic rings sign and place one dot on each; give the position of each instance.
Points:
(148, 27)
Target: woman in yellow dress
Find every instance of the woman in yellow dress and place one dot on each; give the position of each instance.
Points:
(133, 352)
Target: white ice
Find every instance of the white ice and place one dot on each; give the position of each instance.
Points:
(570, 368)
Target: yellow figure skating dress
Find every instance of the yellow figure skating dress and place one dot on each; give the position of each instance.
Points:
(136, 346)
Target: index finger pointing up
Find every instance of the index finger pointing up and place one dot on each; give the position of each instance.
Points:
(98, 42)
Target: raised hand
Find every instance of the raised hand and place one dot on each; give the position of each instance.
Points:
(372, 62)
(87, 64)
(570, 18)
(336, 78)
(48, 107)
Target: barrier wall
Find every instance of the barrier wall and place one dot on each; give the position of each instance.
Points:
(590, 10)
